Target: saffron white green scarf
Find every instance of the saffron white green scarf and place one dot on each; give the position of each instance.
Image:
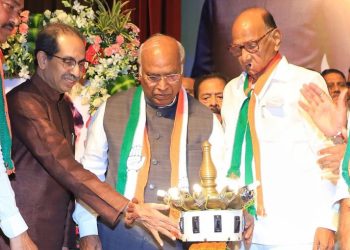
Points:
(135, 151)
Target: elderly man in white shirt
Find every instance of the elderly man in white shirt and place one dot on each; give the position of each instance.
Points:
(279, 145)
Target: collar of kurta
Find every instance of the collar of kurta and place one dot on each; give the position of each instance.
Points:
(45, 89)
(167, 111)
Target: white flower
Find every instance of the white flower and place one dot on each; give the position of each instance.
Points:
(90, 14)
(81, 22)
(53, 20)
(22, 39)
(92, 90)
(105, 97)
(97, 102)
(47, 13)
(61, 15)
(103, 91)
(5, 45)
(24, 73)
(78, 7)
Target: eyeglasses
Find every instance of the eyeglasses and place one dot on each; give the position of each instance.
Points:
(250, 46)
(171, 78)
(69, 63)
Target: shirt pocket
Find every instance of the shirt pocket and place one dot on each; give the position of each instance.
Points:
(279, 121)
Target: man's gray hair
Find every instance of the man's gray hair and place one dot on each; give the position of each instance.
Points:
(180, 47)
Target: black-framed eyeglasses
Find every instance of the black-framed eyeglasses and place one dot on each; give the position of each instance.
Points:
(69, 63)
(250, 46)
(170, 78)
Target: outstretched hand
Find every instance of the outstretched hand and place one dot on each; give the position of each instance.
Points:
(324, 239)
(330, 161)
(330, 118)
(22, 242)
(148, 215)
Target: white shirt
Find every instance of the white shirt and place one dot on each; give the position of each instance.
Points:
(296, 198)
(95, 159)
(11, 221)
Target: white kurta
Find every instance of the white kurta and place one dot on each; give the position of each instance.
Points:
(296, 198)
(11, 221)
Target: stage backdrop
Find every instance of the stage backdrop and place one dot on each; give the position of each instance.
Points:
(311, 29)
(152, 16)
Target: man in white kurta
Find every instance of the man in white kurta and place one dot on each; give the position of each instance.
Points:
(297, 200)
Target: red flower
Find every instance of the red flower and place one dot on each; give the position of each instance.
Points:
(120, 39)
(24, 16)
(92, 55)
(23, 28)
(97, 40)
(113, 49)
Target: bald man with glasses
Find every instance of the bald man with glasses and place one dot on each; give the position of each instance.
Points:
(147, 139)
(269, 140)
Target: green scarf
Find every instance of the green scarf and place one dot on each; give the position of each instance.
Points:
(243, 131)
(345, 165)
(128, 140)
(5, 137)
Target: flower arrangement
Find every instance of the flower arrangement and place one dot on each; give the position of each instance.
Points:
(18, 59)
(111, 47)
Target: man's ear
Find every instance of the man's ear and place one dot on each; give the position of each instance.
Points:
(42, 59)
(277, 37)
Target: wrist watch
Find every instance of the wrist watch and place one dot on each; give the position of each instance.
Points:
(338, 138)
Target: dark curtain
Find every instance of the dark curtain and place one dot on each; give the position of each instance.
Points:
(36, 6)
(157, 16)
(151, 16)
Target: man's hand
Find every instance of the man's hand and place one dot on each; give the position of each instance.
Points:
(90, 242)
(330, 118)
(22, 242)
(148, 215)
(331, 158)
(248, 229)
(324, 239)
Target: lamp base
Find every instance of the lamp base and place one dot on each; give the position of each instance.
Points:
(212, 225)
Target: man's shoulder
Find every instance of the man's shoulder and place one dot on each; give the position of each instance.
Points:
(121, 97)
(200, 120)
(25, 92)
(302, 70)
(198, 110)
(234, 84)
(119, 104)
(296, 74)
